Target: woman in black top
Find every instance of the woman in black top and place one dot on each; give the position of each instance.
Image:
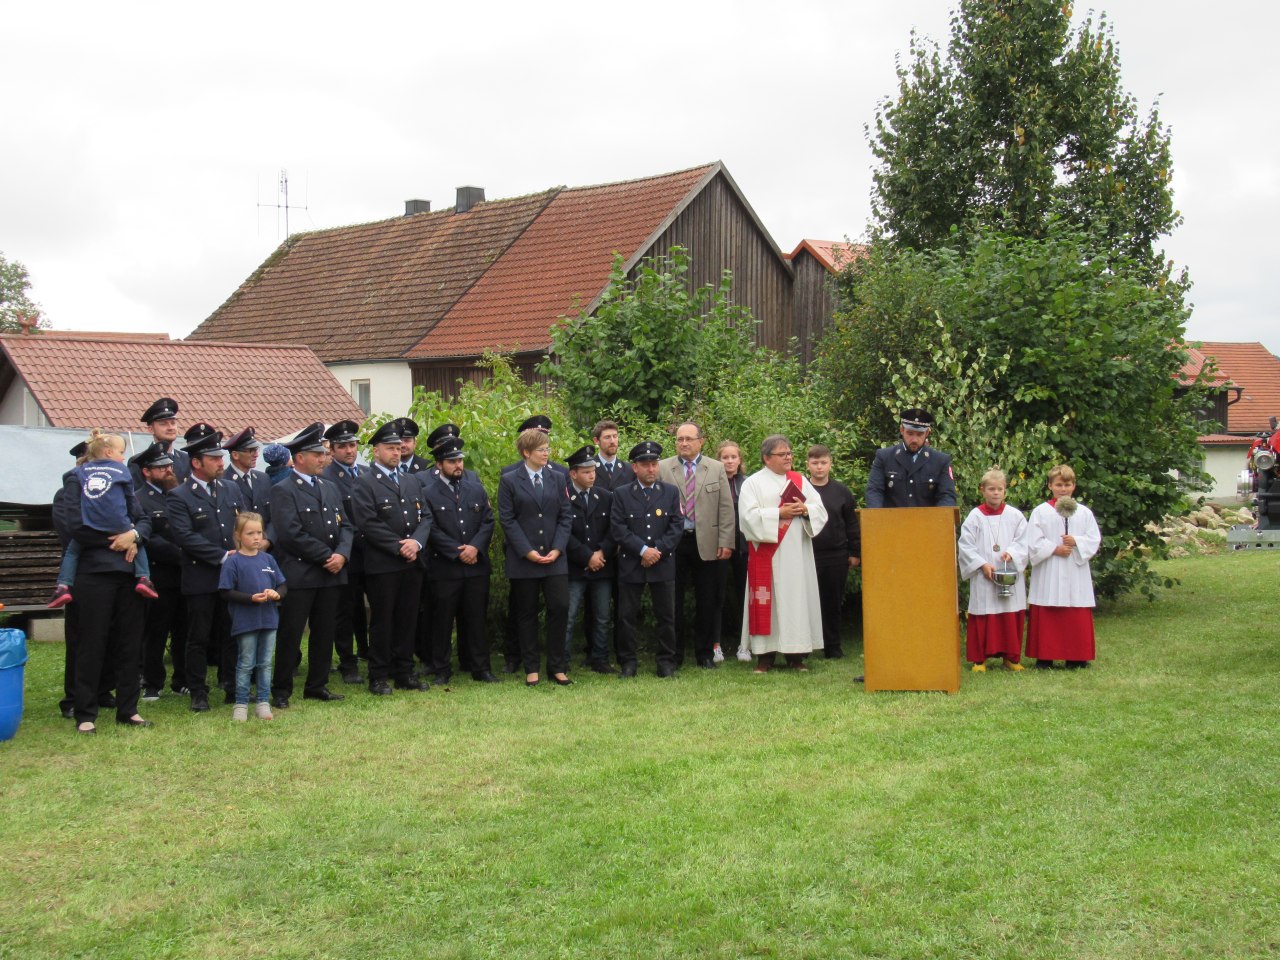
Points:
(729, 454)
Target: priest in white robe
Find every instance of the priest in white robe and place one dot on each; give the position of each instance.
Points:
(780, 513)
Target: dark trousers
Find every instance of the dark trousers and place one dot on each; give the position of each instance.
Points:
(393, 622)
(70, 640)
(662, 594)
(706, 579)
(116, 620)
(735, 593)
(511, 642)
(351, 627)
(166, 616)
(316, 607)
(208, 641)
(426, 615)
(524, 598)
(832, 577)
(466, 603)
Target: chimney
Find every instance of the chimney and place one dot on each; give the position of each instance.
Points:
(468, 197)
(416, 206)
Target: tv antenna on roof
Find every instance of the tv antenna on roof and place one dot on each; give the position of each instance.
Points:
(283, 206)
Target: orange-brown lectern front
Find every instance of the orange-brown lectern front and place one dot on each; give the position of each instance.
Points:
(910, 621)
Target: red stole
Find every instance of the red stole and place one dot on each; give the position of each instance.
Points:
(760, 565)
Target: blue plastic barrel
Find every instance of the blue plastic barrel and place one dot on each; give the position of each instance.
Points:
(13, 654)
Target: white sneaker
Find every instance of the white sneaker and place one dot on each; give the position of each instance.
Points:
(263, 711)
(240, 712)
(717, 655)
(744, 654)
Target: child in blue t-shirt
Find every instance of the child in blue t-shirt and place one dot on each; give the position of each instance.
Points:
(252, 583)
(106, 489)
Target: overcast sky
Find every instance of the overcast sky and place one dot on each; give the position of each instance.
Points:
(139, 139)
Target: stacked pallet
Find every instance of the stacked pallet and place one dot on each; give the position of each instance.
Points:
(28, 567)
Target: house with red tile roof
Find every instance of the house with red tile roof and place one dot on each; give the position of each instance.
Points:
(814, 263)
(415, 301)
(1247, 395)
(81, 381)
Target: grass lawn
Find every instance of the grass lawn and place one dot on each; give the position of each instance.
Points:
(1128, 810)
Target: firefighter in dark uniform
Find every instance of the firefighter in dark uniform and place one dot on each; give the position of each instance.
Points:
(202, 518)
(255, 486)
(167, 616)
(458, 564)
(313, 544)
(161, 419)
(646, 525)
(436, 437)
(390, 512)
(351, 629)
(410, 462)
(912, 473)
(591, 557)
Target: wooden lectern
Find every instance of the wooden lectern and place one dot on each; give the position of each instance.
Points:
(910, 616)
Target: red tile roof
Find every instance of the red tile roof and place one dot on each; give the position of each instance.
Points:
(1256, 370)
(91, 382)
(1224, 440)
(370, 291)
(566, 253)
(832, 254)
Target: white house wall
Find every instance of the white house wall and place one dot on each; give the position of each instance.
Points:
(1224, 464)
(390, 383)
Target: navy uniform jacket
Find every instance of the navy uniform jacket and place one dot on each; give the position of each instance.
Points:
(341, 476)
(467, 474)
(204, 532)
(533, 523)
(96, 555)
(255, 496)
(639, 521)
(559, 468)
(414, 464)
(386, 513)
(591, 531)
(897, 482)
(457, 522)
(621, 476)
(162, 551)
(310, 528)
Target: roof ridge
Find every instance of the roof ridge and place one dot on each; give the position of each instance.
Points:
(656, 176)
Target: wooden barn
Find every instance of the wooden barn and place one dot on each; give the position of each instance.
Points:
(416, 300)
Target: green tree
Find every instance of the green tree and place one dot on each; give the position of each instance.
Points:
(650, 338)
(1061, 350)
(1022, 121)
(16, 304)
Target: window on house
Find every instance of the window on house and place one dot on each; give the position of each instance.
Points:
(360, 394)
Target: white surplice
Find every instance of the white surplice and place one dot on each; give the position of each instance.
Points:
(979, 536)
(797, 617)
(1061, 581)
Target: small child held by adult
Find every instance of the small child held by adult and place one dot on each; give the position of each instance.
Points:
(251, 583)
(1062, 537)
(992, 539)
(106, 490)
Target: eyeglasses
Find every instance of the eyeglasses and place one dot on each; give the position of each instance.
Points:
(784, 455)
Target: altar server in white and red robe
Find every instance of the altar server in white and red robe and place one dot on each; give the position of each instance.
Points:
(780, 513)
(991, 539)
(1062, 537)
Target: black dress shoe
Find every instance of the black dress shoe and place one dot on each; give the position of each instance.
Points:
(130, 722)
(566, 682)
(510, 667)
(601, 668)
(199, 702)
(68, 713)
(280, 703)
(352, 676)
(380, 688)
(834, 654)
(707, 664)
(88, 732)
(322, 694)
(229, 695)
(413, 683)
(860, 678)
(1044, 664)
(484, 676)
(442, 678)
(533, 683)
(628, 670)
(666, 672)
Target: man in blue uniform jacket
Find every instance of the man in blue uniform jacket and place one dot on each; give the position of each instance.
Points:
(646, 525)
(313, 545)
(202, 517)
(255, 486)
(591, 557)
(458, 563)
(392, 515)
(168, 614)
(351, 629)
(912, 473)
